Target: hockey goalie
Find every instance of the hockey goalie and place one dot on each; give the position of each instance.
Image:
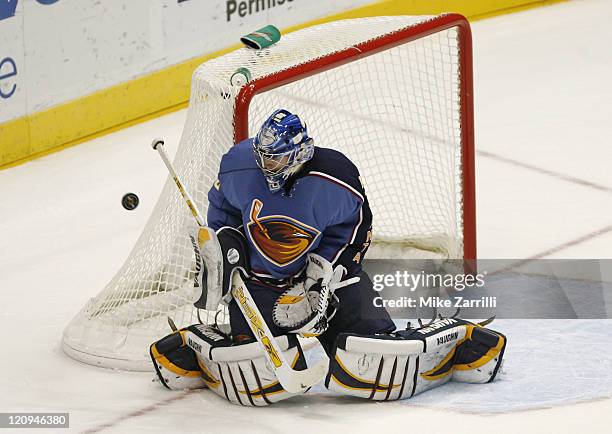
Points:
(294, 220)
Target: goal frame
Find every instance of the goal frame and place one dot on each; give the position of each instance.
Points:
(339, 58)
(115, 328)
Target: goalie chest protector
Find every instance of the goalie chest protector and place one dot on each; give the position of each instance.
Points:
(322, 208)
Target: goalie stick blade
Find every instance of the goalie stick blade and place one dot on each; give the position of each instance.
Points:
(298, 381)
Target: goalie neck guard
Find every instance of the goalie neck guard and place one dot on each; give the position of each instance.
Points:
(281, 146)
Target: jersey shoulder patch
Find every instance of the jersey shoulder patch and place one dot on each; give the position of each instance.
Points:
(335, 167)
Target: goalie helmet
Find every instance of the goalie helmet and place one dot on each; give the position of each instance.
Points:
(281, 146)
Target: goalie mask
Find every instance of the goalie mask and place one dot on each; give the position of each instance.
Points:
(281, 146)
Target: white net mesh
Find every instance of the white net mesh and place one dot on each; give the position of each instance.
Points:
(395, 113)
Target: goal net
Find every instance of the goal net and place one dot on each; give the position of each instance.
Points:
(392, 93)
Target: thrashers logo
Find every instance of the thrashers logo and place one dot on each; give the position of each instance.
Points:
(280, 239)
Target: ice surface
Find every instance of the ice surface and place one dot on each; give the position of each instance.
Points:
(542, 98)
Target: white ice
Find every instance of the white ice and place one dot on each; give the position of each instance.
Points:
(544, 187)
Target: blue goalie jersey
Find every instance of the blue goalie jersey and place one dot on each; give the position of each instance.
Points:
(322, 209)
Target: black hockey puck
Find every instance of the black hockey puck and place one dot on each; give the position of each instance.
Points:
(130, 201)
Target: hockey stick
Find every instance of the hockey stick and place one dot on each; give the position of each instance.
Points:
(292, 381)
